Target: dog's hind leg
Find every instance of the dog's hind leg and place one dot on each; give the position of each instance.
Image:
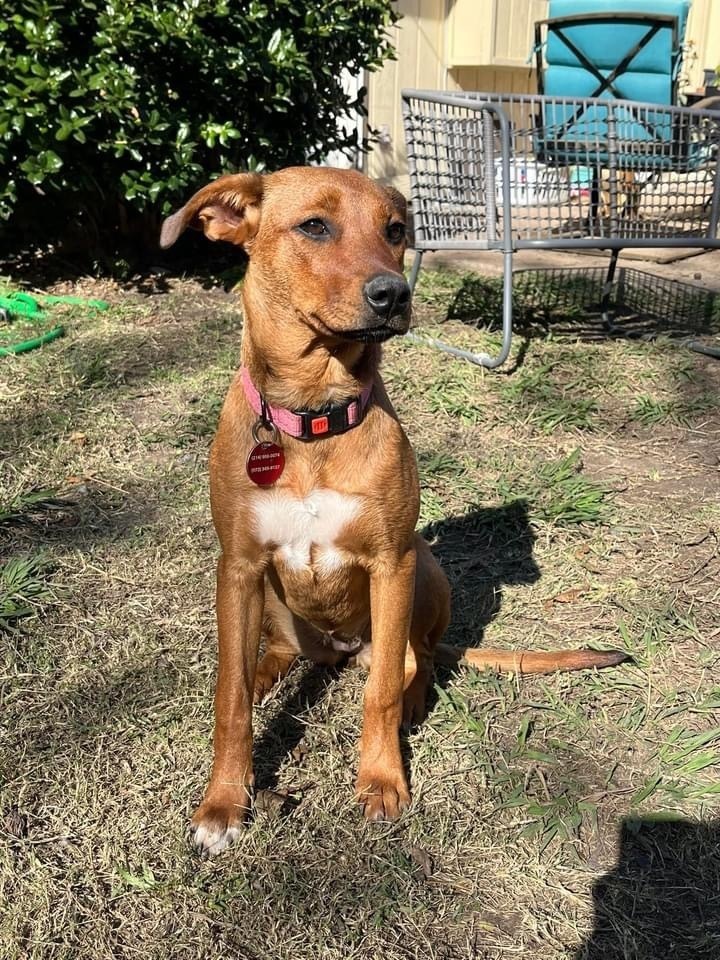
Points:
(431, 615)
(418, 673)
(287, 638)
(274, 665)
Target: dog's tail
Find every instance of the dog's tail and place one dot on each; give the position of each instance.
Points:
(525, 661)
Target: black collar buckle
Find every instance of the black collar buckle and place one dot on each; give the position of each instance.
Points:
(328, 421)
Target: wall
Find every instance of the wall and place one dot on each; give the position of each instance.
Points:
(419, 42)
(704, 33)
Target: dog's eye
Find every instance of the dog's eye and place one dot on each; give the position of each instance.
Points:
(396, 232)
(314, 228)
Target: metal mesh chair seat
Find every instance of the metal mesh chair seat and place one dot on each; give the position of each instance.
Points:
(506, 172)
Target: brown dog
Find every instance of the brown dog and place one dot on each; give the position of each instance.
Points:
(628, 195)
(314, 485)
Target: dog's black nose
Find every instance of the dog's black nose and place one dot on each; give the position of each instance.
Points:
(388, 294)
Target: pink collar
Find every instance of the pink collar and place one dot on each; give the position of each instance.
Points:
(309, 424)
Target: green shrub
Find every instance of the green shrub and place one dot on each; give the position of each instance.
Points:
(112, 111)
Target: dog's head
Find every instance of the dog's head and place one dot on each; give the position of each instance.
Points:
(326, 247)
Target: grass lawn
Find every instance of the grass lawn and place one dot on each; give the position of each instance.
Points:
(573, 499)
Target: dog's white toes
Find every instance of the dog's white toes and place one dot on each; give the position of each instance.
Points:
(210, 840)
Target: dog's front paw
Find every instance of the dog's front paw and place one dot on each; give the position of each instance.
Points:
(383, 796)
(217, 822)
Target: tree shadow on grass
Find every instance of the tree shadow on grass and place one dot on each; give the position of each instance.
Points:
(191, 258)
(107, 372)
(662, 900)
(85, 514)
(103, 705)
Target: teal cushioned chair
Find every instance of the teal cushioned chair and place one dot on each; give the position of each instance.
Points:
(627, 50)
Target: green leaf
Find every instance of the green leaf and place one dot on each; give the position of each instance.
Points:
(274, 42)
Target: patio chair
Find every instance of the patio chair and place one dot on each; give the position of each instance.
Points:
(603, 49)
(590, 49)
(493, 171)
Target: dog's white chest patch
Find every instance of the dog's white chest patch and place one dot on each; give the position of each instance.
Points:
(296, 525)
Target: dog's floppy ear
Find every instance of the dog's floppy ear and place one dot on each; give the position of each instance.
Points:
(397, 200)
(226, 209)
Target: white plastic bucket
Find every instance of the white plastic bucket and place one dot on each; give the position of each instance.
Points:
(532, 184)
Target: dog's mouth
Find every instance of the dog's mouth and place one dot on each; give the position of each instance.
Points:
(376, 334)
(371, 334)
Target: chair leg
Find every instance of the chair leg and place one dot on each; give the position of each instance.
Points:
(594, 213)
(703, 348)
(415, 269)
(482, 359)
(608, 323)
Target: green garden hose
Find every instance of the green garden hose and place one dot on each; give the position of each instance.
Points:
(19, 304)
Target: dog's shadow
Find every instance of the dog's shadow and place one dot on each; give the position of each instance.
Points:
(482, 552)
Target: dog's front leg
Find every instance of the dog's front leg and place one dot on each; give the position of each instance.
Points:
(240, 599)
(381, 785)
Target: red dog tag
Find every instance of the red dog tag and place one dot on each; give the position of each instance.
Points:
(265, 463)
